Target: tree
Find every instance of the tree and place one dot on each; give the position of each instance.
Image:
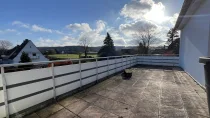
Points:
(25, 58)
(85, 43)
(108, 48)
(4, 46)
(144, 37)
(172, 35)
(175, 46)
(173, 41)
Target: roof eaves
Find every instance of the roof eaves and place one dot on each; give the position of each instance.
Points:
(188, 9)
(182, 13)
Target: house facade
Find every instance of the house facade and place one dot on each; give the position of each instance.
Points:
(28, 47)
(194, 24)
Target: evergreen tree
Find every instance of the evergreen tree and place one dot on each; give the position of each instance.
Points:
(108, 48)
(172, 35)
(25, 58)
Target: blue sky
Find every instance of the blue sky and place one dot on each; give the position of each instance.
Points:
(65, 22)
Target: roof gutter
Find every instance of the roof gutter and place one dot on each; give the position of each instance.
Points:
(188, 9)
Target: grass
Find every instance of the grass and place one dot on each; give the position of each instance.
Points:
(72, 56)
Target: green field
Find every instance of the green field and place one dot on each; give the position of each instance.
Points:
(67, 56)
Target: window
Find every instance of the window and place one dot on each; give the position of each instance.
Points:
(34, 54)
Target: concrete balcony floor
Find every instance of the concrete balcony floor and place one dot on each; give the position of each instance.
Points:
(151, 93)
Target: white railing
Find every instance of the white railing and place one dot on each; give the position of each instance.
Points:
(24, 89)
(159, 60)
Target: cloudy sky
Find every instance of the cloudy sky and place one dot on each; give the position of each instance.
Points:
(65, 22)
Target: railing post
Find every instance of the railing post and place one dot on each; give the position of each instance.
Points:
(115, 64)
(53, 80)
(80, 72)
(5, 92)
(96, 70)
(126, 62)
(122, 62)
(107, 66)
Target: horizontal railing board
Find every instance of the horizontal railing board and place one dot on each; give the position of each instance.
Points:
(1, 104)
(67, 83)
(22, 104)
(68, 78)
(111, 61)
(158, 62)
(88, 79)
(88, 65)
(29, 95)
(28, 82)
(1, 96)
(60, 70)
(26, 76)
(2, 111)
(43, 79)
(102, 69)
(102, 63)
(25, 90)
(67, 87)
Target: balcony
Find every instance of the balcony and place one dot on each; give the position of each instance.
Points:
(96, 90)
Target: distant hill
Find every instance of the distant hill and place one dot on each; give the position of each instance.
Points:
(75, 49)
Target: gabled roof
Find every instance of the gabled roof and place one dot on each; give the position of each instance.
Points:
(16, 50)
(188, 9)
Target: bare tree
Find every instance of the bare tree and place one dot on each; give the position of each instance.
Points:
(85, 43)
(145, 37)
(4, 46)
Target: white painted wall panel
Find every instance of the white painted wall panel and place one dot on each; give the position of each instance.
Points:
(195, 42)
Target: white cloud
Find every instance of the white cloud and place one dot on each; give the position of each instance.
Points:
(35, 28)
(79, 27)
(100, 25)
(132, 28)
(118, 38)
(64, 41)
(136, 8)
(21, 24)
(146, 13)
(8, 30)
(174, 18)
